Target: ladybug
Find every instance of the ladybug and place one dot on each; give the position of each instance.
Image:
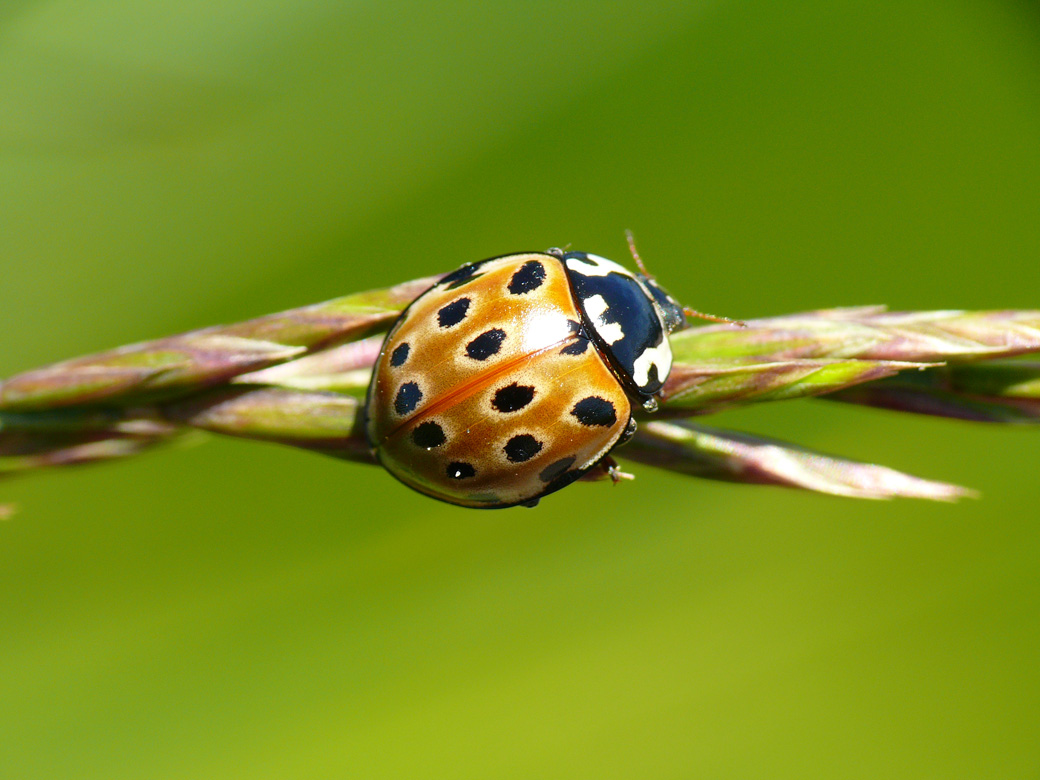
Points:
(512, 377)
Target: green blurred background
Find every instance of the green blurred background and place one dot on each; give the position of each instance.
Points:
(235, 610)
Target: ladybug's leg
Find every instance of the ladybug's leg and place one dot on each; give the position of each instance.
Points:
(614, 470)
(607, 468)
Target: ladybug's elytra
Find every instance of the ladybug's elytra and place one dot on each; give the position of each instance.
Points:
(512, 377)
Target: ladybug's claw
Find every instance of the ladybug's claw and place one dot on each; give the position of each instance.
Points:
(607, 468)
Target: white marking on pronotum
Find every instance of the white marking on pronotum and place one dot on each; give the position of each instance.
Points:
(660, 356)
(595, 266)
(608, 331)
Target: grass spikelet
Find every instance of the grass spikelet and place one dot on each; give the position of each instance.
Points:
(299, 378)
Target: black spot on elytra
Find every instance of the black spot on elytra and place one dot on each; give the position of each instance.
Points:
(453, 313)
(459, 282)
(408, 397)
(400, 354)
(595, 411)
(460, 470)
(486, 344)
(462, 276)
(563, 481)
(521, 448)
(554, 470)
(577, 348)
(529, 277)
(512, 397)
(428, 435)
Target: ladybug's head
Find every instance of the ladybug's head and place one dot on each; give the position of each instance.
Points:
(668, 309)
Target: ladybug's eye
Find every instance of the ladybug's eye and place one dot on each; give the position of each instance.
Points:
(672, 314)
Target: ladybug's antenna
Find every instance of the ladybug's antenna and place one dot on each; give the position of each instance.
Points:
(711, 317)
(635, 255)
(686, 309)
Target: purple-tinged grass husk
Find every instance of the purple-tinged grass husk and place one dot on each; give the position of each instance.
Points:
(183, 364)
(299, 378)
(712, 386)
(344, 369)
(329, 423)
(867, 333)
(34, 453)
(1000, 392)
(729, 456)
